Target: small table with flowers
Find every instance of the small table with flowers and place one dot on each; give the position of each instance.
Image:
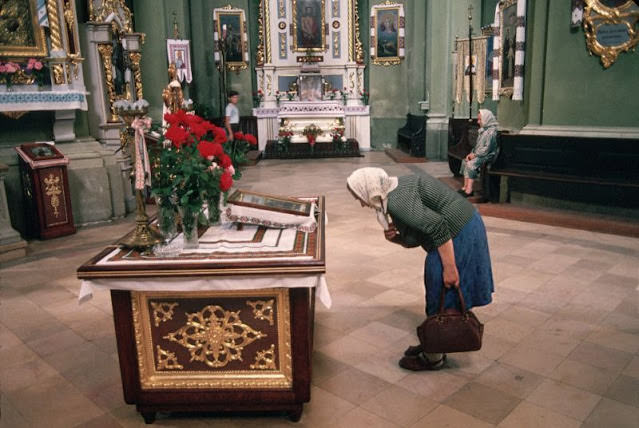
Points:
(224, 327)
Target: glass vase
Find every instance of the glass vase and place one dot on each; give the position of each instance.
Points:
(213, 204)
(189, 226)
(166, 218)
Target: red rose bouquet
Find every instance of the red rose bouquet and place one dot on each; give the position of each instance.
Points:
(193, 167)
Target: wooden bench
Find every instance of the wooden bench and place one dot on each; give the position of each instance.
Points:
(462, 136)
(579, 169)
(412, 137)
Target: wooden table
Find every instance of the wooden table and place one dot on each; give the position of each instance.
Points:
(217, 330)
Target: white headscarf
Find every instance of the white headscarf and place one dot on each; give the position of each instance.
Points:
(372, 185)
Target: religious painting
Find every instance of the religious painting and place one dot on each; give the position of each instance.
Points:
(309, 31)
(179, 54)
(610, 28)
(508, 33)
(231, 38)
(387, 33)
(310, 88)
(20, 32)
(270, 202)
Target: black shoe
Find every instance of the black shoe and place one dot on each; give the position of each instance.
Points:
(467, 195)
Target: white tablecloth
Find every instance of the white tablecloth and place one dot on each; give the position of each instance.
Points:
(214, 283)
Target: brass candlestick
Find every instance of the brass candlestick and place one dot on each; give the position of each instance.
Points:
(144, 237)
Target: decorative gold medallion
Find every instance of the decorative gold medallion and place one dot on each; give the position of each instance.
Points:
(167, 360)
(262, 310)
(205, 344)
(162, 312)
(265, 360)
(215, 336)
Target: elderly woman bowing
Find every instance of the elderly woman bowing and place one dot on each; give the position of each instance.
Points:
(483, 151)
(419, 210)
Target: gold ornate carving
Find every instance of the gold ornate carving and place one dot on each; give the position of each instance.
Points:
(69, 16)
(54, 25)
(351, 6)
(269, 86)
(75, 60)
(621, 21)
(20, 32)
(265, 360)
(259, 55)
(91, 14)
(262, 309)
(106, 50)
(135, 58)
(58, 74)
(267, 20)
(162, 312)
(22, 78)
(53, 190)
(167, 360)
(108, 7)
(281, 9)
(215, 336)
(359, 48)
(296, 46)
(336, 50)
(212, 377)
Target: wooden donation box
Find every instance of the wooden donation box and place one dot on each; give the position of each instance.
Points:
(224, 327)
(45, 187)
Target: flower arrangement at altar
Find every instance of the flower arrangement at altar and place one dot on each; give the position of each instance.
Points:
(344, 95)
(364, 97)
(192, 168)
(239, 147)
(284, 139)
(36, 68)
(339, 140)
(311, 132)
(258, 97)
(278, 96)
(290, 95)
(7, 71)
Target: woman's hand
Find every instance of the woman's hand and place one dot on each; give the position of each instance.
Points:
(391, 233)
(470, 156)
(451, 276)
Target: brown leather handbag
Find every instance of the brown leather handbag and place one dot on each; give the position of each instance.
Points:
(451, 330)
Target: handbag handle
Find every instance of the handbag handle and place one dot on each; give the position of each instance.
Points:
(443, 295)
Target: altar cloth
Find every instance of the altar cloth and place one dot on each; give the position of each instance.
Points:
(217, 283)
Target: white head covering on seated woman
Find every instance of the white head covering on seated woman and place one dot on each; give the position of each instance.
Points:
(488, 119)
(372, 185)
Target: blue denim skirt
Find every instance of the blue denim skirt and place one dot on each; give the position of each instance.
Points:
(473, 263)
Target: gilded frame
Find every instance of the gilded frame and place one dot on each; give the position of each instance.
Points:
(154, 377)
(380, 15)
(270, 202)
(619, 19)
(229, 16)
(39, 47)
(317, 6)
(508, 34)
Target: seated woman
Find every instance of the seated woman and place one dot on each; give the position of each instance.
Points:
(424, 211)
(483, 151)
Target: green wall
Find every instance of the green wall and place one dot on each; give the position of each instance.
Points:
(578, 90)
(195, 22)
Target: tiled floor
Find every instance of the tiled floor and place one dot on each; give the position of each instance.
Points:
(561, 338)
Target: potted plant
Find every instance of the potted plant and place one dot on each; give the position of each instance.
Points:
(239, 147)
(38, 70)
(339, 140)
(258, 97)
(7, 71)
(284, 140)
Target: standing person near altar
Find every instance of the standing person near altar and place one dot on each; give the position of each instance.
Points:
(419, 210)
(232, 115)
